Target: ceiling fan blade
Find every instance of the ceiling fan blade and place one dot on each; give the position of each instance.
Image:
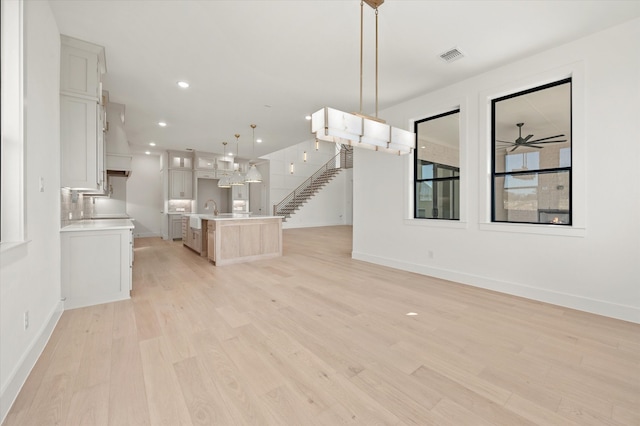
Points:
(534, 146)
(514, 148)
(511, 142)
(527, 138)
(564, 140)
(544, 139)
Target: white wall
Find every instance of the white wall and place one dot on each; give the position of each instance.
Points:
(144, 195)
(30, 273)
(331, 206)
(595, 266)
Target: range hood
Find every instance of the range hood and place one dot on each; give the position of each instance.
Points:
(118, 151)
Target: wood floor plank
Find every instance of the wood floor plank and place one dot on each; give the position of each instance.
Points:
(317, 338)
(127, 393)
(164, 397)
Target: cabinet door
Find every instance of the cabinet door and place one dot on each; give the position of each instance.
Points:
(101, 149)
(96, 267)
(205, 162)
(180, 185)
(176, 228)
(197, 241)
(79, 73)
(78, 140)
(180, 160)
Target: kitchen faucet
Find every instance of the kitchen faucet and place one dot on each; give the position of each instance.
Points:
(215, 207)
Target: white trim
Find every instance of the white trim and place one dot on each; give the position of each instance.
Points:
(437, 223)
(13, 221)
(541, 229)
(10, 245)
(462, 105)
(572, 301)
(576, 71)
(19, 375)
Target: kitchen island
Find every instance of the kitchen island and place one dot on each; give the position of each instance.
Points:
(235, 238)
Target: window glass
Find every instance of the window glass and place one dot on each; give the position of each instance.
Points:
(437, 160)
(531, 140)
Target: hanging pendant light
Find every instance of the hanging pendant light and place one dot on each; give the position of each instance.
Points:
(357, 129)
(253, 175)
(224, 182)
(236, 178)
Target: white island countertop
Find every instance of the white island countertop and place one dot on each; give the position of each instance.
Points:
(235, 216)
(230, 216)
(98, 225)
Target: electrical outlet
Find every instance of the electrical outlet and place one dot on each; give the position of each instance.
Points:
(26, 320)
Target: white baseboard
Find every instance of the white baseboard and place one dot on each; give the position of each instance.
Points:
(598, 307)
(147, 235)
(294, 225)
(19, 376)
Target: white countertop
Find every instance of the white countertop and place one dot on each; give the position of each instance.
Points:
(98, 225)
(232, 216)
(111, 216)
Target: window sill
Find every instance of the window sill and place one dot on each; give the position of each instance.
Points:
(523, 228)
(10, 245)
(436, 223)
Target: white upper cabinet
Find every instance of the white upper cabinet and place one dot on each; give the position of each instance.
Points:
(81, 67)
(79, 153)
(180, 184)
(180, 160)
(81, 116)
(205, 161)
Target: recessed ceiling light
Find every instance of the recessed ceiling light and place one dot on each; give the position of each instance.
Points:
(411, 314)
(423, 147)
(147, 152)
(152, 144)
(162, 124)
(183, 84)
(259, 140)
(307, 117)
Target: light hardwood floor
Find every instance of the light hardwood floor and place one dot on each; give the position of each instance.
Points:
(315, 338)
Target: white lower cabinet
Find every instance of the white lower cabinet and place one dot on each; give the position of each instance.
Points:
(97, 266)
(175, 227)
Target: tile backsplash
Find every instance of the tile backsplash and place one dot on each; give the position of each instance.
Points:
(74, 206)
(180, 206)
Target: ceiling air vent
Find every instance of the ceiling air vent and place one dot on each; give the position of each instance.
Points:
(451, 55)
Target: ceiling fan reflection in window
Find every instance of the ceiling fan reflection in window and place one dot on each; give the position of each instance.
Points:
(527, 142)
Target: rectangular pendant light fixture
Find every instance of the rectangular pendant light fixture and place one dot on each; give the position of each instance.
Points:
(340, 127)
(359, 130)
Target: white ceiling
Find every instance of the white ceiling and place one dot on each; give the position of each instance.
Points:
(272, 62)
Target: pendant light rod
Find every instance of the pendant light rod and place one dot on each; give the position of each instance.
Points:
(361, 48)
(253, 135)
(376, 62)
(374, 4)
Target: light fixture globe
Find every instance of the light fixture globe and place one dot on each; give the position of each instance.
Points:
(253, 175)
(224, 182)
(236, 179)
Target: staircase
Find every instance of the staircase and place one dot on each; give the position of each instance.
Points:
(296, 199)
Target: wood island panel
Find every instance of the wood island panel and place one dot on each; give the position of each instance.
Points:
(244, 240)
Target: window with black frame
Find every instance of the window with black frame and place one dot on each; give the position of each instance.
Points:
(531, 161)
(437, 167)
